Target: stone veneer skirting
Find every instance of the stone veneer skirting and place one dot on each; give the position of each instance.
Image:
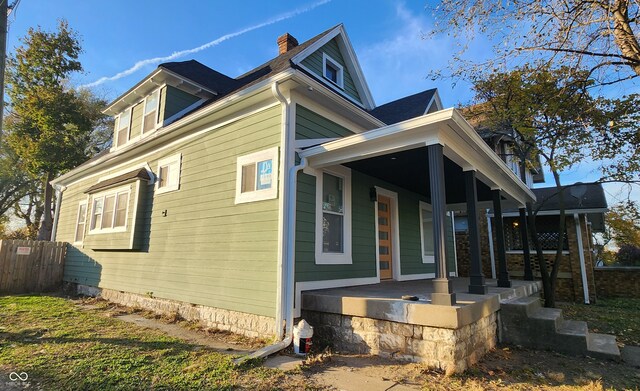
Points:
(249, 325)
(452, 350)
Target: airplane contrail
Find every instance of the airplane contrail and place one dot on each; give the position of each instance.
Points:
(174, 55)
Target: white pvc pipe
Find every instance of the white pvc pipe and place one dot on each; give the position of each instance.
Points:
(493, 258)
(583, 267)
(59, 190)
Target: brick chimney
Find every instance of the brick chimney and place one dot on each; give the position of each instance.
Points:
(286, 42)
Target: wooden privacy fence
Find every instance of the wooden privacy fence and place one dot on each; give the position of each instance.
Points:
(31, 265)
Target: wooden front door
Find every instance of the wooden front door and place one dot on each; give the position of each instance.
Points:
(384, 237)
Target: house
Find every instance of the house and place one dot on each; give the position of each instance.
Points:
(225, 199)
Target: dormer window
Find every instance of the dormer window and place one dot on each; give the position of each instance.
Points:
(332, 70)
(122, 132)
(150, 118)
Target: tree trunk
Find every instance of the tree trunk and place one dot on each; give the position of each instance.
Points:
(561, 229)
(47, 222)
(547, 288)
(624, 35)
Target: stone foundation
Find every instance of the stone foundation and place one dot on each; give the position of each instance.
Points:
(452, 350)
(249, 325)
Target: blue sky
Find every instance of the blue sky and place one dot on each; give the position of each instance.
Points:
(387, 36)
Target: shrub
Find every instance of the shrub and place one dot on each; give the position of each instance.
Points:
(628, 255)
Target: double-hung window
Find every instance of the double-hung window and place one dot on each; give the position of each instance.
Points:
(426, 232)
(333, 217)
(256, 176)
(81, 222)
(109, 211)
(169, 174)
(150, 116)
(122, 132)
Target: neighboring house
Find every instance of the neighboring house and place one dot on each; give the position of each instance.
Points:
(234, 195)
(585, 206)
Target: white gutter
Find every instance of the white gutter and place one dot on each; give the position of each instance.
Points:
(59, 190)
(493, 257)
(583, 268)
(286, 262)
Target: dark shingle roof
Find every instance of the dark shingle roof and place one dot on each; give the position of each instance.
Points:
(203, 75)
(576, 196)
(124, 178)
(404, 108)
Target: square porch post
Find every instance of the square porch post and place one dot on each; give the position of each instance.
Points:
(526, 251)
(442, 285)
(476, 279)
(503, 274)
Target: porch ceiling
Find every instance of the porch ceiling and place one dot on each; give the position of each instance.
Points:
(463, 147)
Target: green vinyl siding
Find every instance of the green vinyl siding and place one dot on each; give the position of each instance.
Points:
(310, 125)
(196, 245)
(173, 101)
(313, 62)
(136, 121)
(363, 232)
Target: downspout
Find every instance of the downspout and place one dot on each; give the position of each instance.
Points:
(286, 262)
(59, 190)
(583, 268)
(493, 257)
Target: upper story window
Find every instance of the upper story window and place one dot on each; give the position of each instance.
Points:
(169, 174)
(122, 130)
(257, 176)
(150, 115)
(109, 211)
(333, 216)
(332, 70)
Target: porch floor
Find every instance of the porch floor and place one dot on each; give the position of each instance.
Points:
(384, 301)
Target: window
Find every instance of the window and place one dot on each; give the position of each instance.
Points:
(426, 232)
(109, 211)
(333, 216)
(150, 117)
(122, 131)
(80, 222)
(168, 174)
(257, 176)
(332, 70)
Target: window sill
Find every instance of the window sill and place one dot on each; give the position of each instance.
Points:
(334, 83)
(428, 259)
(260, 195)
(107, 231)
(333, 259)
(167, 189)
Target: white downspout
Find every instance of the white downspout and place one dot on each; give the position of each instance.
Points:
(59, 190)
(493, 257)
(286, 263)
(583, 268)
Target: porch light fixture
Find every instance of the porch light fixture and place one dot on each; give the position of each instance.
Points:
(373, 194)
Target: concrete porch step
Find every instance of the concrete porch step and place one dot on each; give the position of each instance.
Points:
(523, 305)
(550, 318)
(603, 346)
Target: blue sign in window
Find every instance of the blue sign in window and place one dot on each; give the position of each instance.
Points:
(265, 173)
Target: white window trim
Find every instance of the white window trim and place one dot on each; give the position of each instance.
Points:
(168, 161)
(425, 258)
(117, 130)
(157, 110)
(257, 195)
(340, 76)
(115, 192)
(344, 258)
(86, 212)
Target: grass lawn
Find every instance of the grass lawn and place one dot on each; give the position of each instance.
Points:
(62, 346)
(619, 317)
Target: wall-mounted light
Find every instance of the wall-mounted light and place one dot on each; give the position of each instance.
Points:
(373, 194)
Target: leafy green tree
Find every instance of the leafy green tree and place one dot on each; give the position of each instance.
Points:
(548, 113)
(50, 125)
(623, 224)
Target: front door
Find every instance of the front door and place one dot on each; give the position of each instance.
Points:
(384, 237)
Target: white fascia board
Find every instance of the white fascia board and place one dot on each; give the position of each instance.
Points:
(175, 129)
(446, 127)
(435, 99)
(305, 79)
(352, 63)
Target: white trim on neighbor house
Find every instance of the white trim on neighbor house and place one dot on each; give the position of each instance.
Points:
(84, 203)
(256, 194)
(345, 257)
(395, 230)
(351, 62)
(425, 206)
(545, 252)
(330, 62)
(115, 192)
(326, 284)
(174, 164)
(556, 212)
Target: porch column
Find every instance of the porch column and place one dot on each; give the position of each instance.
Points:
(503, 274)
(442, 285)
(476, 279)
(526, 251)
